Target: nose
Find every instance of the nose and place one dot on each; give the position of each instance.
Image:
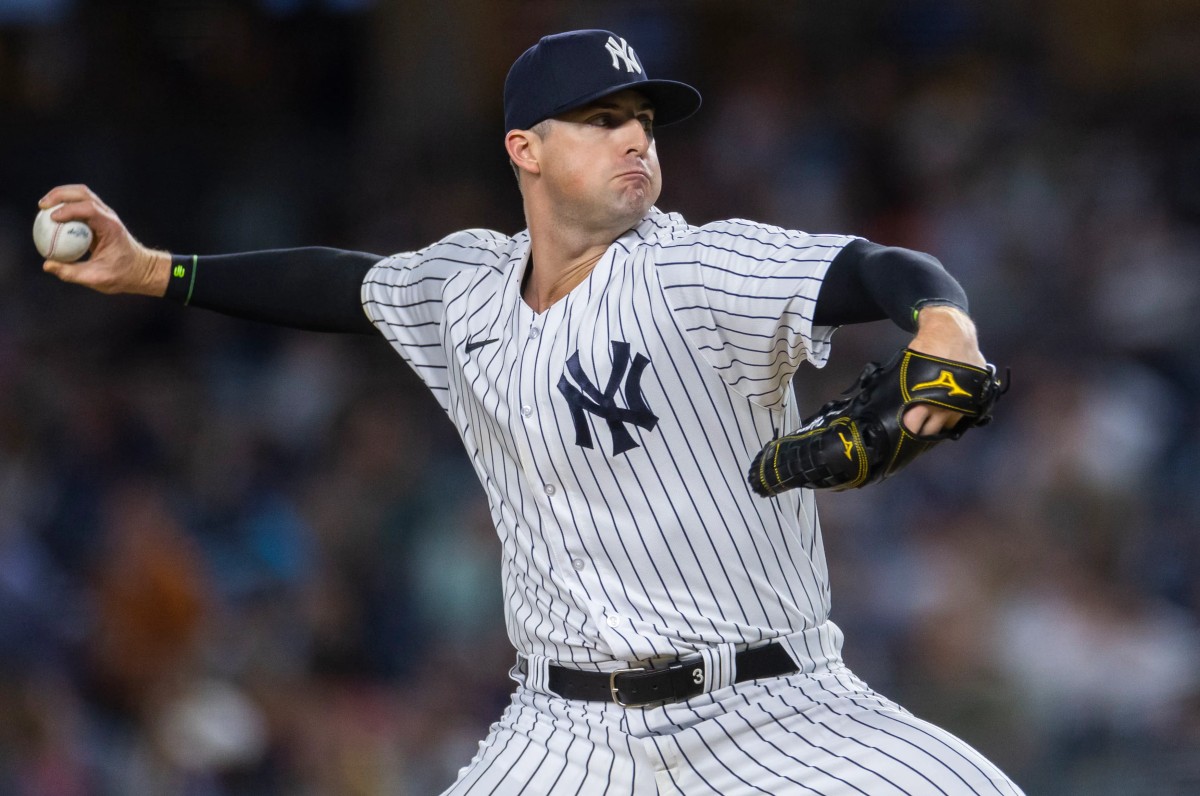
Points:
(637, 137)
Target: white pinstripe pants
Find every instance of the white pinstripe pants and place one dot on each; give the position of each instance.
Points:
(824, 733)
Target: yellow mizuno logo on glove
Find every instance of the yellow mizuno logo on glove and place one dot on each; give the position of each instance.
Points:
(847, 444)
(944, 379)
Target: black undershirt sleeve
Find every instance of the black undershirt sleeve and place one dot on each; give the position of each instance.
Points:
(868, 282)
(320, 288)
(314, 288)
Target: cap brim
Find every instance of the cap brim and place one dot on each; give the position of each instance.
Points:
(673, 101)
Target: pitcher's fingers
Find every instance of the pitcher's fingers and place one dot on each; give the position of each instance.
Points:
(92, 212)
(923, 420)
(65, 193)
(63, 271)
(79, 210)
(87, 273)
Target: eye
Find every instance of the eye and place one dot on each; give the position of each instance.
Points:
(602, 120)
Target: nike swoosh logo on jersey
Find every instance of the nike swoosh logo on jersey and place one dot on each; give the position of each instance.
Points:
(473, 344)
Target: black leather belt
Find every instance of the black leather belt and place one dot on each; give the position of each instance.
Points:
(637, 687)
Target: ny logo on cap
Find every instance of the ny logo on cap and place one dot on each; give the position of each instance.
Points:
(619, 48)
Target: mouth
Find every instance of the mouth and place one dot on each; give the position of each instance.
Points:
(636, 174)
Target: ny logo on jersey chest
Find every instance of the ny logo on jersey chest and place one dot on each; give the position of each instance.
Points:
(585, 398)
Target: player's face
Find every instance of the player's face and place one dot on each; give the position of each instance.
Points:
(601, 162)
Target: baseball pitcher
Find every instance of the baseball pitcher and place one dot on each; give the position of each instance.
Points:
(621, 380)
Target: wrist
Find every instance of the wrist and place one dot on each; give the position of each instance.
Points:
(944, 307)
(155, 269)
(947, 331)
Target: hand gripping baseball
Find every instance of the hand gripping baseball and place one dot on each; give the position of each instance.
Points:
(859, 438)
(118, 262)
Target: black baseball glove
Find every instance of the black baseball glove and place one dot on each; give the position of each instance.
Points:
(859, 439)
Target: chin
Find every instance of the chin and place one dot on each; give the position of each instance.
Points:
(632, 215)
(636, 204)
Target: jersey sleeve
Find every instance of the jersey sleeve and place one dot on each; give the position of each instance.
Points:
(403, 296)
(745, 294)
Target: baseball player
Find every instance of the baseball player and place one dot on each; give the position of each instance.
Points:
(613, 371)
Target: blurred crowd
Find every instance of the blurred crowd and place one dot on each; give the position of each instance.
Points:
(238, 560)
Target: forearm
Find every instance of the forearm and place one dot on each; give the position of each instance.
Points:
(310, 288)
(869, 282)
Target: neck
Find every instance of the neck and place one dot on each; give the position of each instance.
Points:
(548, 279)
(561, 257)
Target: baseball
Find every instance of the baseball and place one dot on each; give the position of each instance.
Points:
(65, 242)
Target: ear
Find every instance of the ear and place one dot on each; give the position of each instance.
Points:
(523, 148)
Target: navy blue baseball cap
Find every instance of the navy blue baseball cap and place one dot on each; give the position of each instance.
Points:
(567, 70)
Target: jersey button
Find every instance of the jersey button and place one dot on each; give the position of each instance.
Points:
(550, 490)
(526, 410)
(534, 332)
(577, 563)
(613, 620)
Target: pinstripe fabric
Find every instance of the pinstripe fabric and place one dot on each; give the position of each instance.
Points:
(611, 434)
(823, 733)
(645, 553)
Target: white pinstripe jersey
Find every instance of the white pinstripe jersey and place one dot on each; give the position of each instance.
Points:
(612, 432)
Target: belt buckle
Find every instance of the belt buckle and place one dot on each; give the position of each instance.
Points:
(612, 687)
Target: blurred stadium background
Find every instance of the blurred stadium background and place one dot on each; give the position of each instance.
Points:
(239, 560)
